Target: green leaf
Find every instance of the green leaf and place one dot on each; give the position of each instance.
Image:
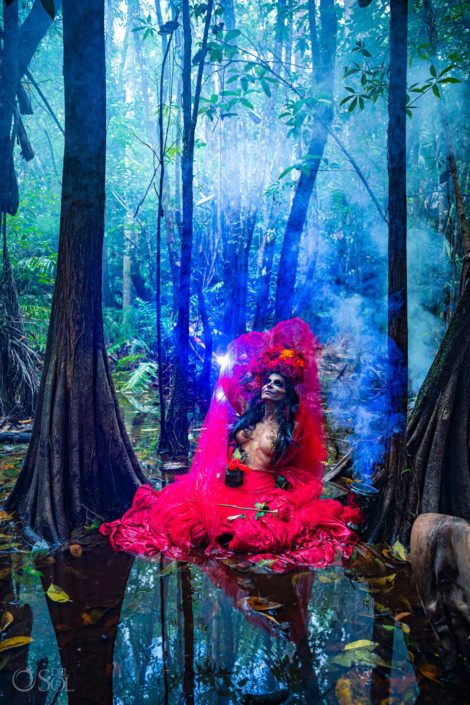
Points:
(352, 106)
(345, 100)
(266, 88)
(232, 34)
(244, 83)
(448, 68)
(410, 115)
(49, 7)
(435, 90)
(450, 79)
(367, 54)
(286, 171)
(361, 103)
(432, 71)
(247, 103)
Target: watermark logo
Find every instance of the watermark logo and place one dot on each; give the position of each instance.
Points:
(55, 679)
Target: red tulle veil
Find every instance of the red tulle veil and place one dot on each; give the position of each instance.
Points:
(308, 452)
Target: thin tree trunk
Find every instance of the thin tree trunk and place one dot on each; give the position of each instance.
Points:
(80, 455)
(285, 286)
(177, 422)
(269, 241)
(188, 632)
(391, 513)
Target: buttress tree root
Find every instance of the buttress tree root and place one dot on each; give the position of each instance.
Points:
(437, 473)
(80, 457)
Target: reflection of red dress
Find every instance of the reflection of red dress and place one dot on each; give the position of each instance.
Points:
(188, 512)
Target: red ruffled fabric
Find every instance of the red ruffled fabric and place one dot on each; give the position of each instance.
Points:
(306, 530)
(190, 512)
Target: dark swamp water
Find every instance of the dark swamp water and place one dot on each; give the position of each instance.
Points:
(127, 630)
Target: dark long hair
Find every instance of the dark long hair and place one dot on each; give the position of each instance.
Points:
(286, 412)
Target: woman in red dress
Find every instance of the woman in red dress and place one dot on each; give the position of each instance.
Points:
(255, 480)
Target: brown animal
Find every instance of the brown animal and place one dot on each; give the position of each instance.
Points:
(440, 558)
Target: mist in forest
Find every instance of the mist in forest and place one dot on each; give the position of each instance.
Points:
(252, 145)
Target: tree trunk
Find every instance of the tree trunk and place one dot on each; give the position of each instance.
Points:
(269, 241)
(430, 18)
(18, 375)
(80, 455)
(439, 430)
(177, 422)
(237, 301)
(288, 263)
(392, 500)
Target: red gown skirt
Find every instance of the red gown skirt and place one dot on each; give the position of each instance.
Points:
(303, 530)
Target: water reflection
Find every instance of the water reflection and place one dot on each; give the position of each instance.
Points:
(137, 631)
(86, 625)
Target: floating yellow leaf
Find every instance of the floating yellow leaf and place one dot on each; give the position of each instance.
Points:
(268, 616)
(4, 516)
(7, 618)
(169, 569)
(297, 576)
(329, 578)
(431, 672)
(378, 585)
(4, 573)
(405, 601)
(350, 690)
(76, 550)
(400, 551)
(87, 619)
(14, 642)
(361, 644)
(362, 656)
(261, 604)
(57, 594)
(405, 628)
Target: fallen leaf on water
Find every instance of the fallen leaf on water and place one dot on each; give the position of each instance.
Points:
(57, 594)
(76, 550)
(350, 689)
(399, 550)
(297, 576)
(261, 604)
(14, 642)
(329, 578)
(405, 601)
(86, 619)
(5, 573)
(400, 616)
(378, 585)
(7, 618)
(169, 569)
(265, 562)
(405, 628)
(268, 616)
(4, 516)
(431, 672)
(361, 644)
(359, 656)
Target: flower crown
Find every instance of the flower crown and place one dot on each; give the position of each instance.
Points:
(288, 362)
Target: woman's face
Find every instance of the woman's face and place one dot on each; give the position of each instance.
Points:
(274, 388)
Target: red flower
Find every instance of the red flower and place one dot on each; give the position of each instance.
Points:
(236, 464)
